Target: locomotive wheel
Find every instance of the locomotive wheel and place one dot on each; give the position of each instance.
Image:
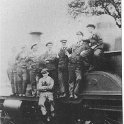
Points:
(5, 118)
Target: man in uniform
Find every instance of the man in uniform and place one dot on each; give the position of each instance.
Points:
(34, 60)
(22, 76)
(96, 43)
(63, 69)
(12, 69)
(50, 59)
(75, 65)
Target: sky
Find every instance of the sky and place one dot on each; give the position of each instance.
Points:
(20, 17)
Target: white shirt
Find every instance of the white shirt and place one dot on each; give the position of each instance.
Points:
(45, 83)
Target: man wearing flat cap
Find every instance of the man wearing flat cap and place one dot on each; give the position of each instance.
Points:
(11, 70)
(22, 72)
(50, 60)
(95, 39)
(76, 64)
(45, 87)
(33, 64)
(63, 69)
(96, 43)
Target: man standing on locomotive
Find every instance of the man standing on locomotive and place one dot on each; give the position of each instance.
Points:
(33, 61)
(63, 69)
(11, 70)
(50, 59)
(45, 88)
(22, 76)
(77, 59)
(96, 43)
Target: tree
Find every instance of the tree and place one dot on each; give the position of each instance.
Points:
(96, 7)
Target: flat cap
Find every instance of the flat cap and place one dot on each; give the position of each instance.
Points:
(63, 41)
(44, 71)
(36, 33)
(86, 40)
(48, 43)
(33, 46)
(79, 33)
(91, 25)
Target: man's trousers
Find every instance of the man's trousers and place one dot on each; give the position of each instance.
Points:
(33, 74)
(42, 99)
(63, 80)
(10, 73)
(75, 77)
(21, 77)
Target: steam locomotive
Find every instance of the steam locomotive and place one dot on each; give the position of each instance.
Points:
(100, 100)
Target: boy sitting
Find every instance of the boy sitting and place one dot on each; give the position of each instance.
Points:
(45, 86)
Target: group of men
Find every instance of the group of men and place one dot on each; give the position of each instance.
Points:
(66, 67)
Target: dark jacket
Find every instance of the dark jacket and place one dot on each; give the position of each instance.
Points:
(33, 61)
(21, 60)
(51, 59)
(96, 40)
(63, 59)
(76, 58)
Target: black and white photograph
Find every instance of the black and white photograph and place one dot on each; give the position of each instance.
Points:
(61, 62)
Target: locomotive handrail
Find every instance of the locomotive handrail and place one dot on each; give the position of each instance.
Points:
(23, 98)
(112, 52)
